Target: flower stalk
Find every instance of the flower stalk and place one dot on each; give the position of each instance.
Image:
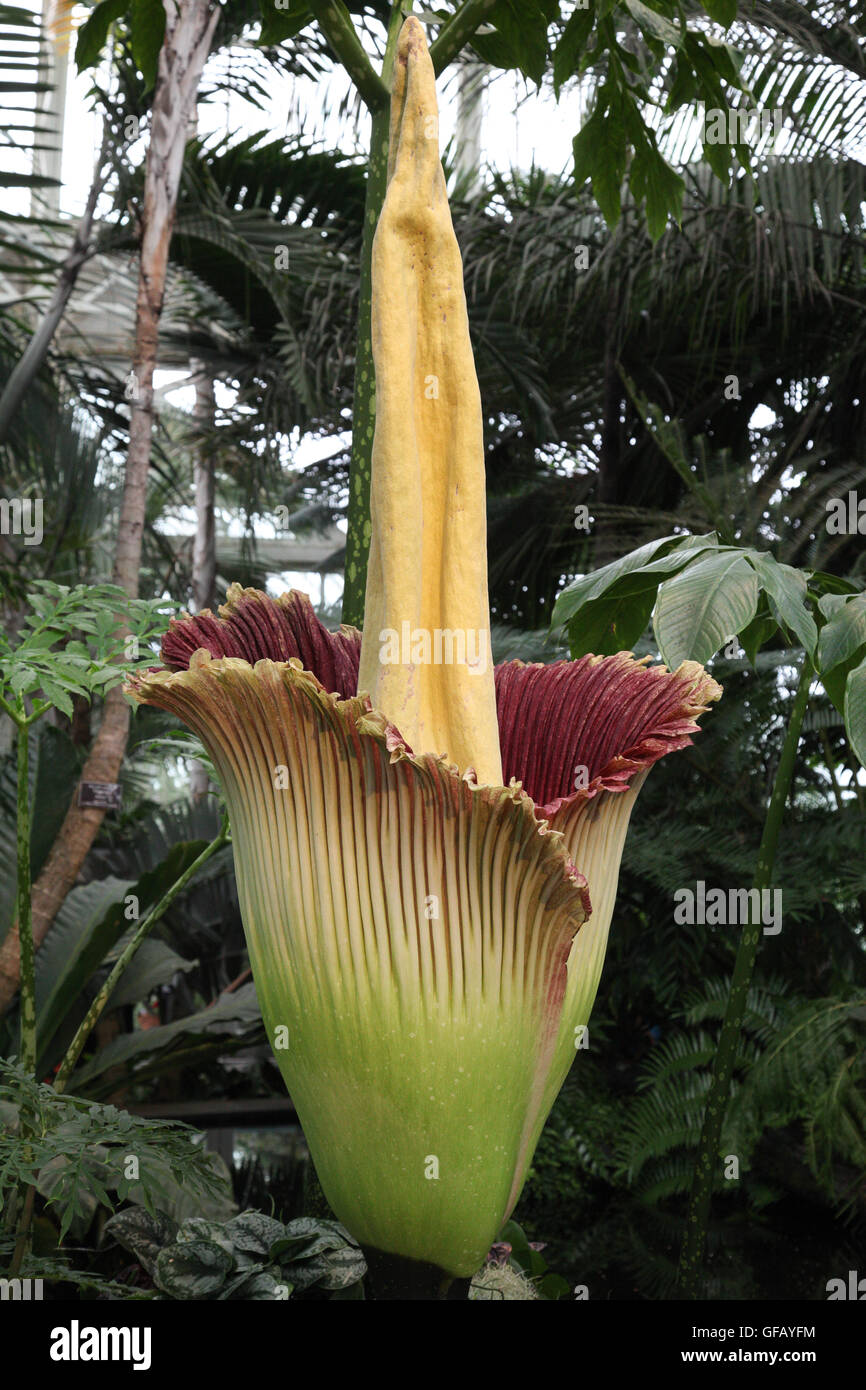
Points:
(25, 909)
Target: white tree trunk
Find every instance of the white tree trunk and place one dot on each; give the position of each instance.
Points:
(188, 34)
(470, 120)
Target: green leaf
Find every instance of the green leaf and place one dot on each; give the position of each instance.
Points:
(141, 1233)
(831, 587)
(354, 1291)
(57, 697)
(94, 32)
(722, 11)
(54, 765)
(609, 160)
(259, 1286)
(583, 148)
(197, 1228)
(843, 636)
(23, 679)
(90, 921)
(343, 1268)
(323, 1241)
(57, 765)
(589, 586)
(217, 1024)
(702, 606)
(520, 38)
(514, 1235)
(831, 604)
(755, 634)
(76, 1148)
(613, 623)
(659, 556)
(153, 964)
(788, 591)
(279, 25)
(167, 1191)
(554, 1287)
(655, 24)
(571, 47)
(307, 1236)
(254, 1232)
(651, 177)
(855, 711)
(193, 1269)
(719, 158)
(147, 30)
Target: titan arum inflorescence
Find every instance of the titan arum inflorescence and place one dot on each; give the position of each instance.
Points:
(417, 836)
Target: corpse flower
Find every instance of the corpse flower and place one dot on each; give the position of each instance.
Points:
(417, 836)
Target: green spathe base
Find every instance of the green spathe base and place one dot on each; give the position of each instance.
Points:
(395, 1277)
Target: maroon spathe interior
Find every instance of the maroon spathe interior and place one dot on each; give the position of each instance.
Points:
(255, 627)
(612, 716)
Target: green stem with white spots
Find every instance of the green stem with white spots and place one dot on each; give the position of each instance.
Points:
(27, 1025)
(25, 914)
(364, 394)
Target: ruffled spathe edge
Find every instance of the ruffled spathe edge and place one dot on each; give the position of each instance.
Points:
(605, 718)
(192, 695)
(597, 722)
(253, 626)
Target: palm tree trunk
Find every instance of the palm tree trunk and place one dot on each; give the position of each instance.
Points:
(34, 354)
(188, 34)
(470, 122)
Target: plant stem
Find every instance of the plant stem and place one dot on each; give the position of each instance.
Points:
(853, 767)
(25, 911)
(831, 768)
(109, 985)
(336, 25)
(22, 1239)
(456, 30)
(695, 1239)
(364, 392)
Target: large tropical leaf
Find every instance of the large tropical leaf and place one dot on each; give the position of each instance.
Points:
(91, 921)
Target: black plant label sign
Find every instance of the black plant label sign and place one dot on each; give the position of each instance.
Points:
(104, 796)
